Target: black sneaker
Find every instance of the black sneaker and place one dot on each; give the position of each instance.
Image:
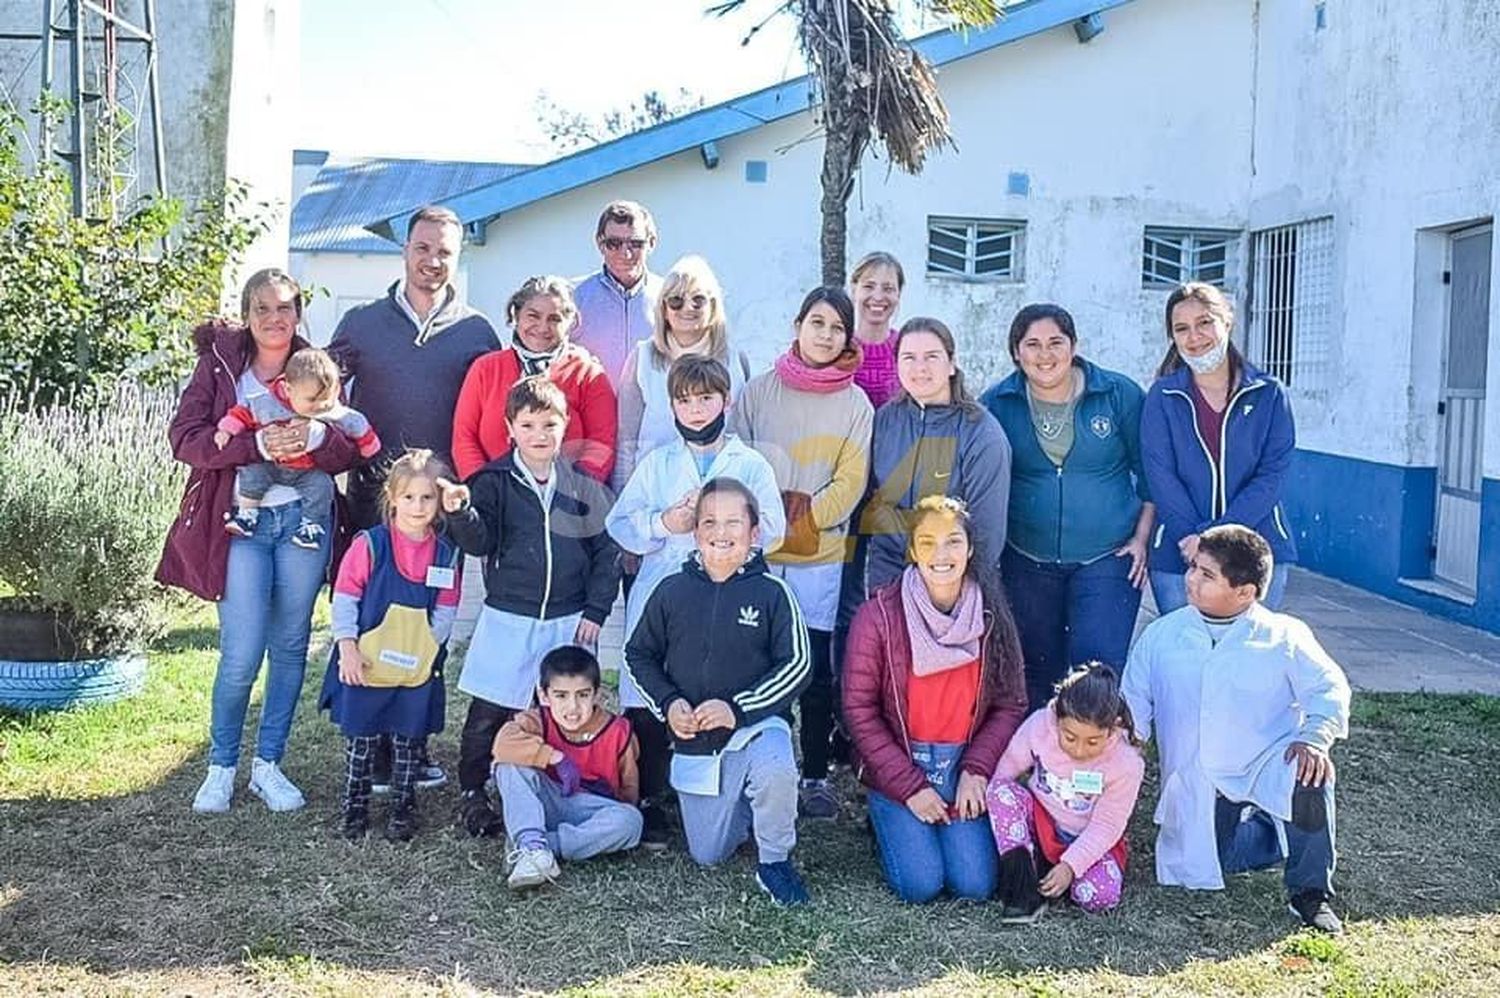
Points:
(816, 800)
(478, 817)
(783, 883)
(241, 521)
(401, 823)
(1312, 907)
(308, 535)
(355, 824)
(656, 832)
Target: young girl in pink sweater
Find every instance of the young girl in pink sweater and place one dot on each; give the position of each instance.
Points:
(1064, 830)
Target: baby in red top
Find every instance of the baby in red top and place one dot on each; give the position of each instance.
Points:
(307, 389)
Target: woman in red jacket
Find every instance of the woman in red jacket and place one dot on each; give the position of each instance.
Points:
(541, 314)
(264, 584)
(934, 688)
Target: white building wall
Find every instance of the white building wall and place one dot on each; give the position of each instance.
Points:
(1387, 118)
(1100, 129)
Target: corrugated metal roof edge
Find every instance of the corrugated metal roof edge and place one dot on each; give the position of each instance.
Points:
(732, 117)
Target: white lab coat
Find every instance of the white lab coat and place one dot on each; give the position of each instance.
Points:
(1223, 716)
(664, 476)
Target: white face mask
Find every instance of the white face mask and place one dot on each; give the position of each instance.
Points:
(1207, 363)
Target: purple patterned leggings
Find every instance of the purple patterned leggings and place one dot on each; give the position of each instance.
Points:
(1013, 816)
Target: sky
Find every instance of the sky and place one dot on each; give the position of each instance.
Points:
(458, 79)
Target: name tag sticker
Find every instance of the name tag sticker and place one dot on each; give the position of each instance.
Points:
(1088, 781)
(439, 577)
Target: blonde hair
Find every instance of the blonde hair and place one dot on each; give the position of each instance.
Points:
(879, 258)
(417, 462)
(691, 273)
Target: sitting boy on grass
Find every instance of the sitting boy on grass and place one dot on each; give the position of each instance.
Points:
(721, 654)
(1246, 705)
(566, 771)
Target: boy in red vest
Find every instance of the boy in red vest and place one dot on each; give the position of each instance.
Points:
(566, 771)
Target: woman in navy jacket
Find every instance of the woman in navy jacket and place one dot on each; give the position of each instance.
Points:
(1217, 437)
(1080, 516)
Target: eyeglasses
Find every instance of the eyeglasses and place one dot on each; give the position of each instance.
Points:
(676, 302)
(614, 244)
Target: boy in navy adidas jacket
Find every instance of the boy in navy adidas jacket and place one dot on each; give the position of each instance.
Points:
(721, 653)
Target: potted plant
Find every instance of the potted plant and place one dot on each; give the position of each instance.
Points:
(86, 496)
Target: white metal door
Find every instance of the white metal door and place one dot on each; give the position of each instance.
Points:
(1461, 405)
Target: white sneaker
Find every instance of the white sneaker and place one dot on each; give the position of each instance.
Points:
(216, 791)
(531, 867)
(270, 784)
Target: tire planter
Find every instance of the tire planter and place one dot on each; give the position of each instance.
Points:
(40, 668)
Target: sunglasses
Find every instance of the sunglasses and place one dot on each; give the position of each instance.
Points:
(614, 244)
(676, 302)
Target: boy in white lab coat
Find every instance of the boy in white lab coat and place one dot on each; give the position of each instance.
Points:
(1245, 706)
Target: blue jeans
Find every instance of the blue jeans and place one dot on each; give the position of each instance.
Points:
(266, 613)
(921, 859)
(1069, 613)
(1170, 589)
(1248, 841)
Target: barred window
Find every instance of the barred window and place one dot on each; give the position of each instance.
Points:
(987, 249)
(1291, 302)
(1170, 257)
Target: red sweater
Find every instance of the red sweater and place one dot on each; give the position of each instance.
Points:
(877, 670)
(479, 431)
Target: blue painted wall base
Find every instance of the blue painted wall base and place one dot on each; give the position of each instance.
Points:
(1372, 524)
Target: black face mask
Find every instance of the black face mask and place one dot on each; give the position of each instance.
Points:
(702, 437)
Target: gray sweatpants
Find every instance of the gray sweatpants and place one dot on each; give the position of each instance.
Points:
(757, 792)
(576, 827)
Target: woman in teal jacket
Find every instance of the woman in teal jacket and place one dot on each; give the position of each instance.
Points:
(1080, 516)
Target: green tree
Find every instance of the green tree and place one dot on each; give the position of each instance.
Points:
(869, 83)
(85, 303)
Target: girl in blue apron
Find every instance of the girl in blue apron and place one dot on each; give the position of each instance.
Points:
(394, 603)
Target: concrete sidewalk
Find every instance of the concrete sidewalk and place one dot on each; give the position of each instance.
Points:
(1386, 646)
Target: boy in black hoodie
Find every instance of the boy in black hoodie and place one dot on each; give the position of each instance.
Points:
(550, 575)
(721, 652)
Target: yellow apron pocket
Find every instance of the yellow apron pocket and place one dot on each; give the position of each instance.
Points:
(401, 650)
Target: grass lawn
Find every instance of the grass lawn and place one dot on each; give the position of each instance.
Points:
(109, 884)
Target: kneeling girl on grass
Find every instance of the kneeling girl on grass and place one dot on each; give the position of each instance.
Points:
(394, 603)
(1063, 832)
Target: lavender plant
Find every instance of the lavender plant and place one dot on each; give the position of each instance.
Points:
(86, 497)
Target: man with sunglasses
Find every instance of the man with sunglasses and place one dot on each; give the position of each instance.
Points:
(617, 304)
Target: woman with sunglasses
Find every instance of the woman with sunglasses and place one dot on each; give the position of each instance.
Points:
(690, 319)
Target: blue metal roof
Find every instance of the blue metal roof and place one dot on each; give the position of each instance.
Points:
(347, 195)
(742, 114)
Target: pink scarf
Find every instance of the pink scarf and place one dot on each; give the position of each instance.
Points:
(798, 374)
(941, 641)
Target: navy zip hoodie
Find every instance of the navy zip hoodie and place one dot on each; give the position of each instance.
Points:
(541, 563)
(742, 641)
(1191, 493)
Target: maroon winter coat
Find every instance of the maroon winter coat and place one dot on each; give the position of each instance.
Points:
(196, 557)
(877, 667)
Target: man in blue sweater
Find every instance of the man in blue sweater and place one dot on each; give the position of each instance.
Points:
(721, 652)
(403, 359)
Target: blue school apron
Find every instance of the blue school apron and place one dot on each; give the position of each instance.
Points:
(413, 711)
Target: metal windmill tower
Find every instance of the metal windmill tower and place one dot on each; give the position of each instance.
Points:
(103, 65)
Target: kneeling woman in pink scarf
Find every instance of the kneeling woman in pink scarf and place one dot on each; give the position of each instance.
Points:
(934, 688)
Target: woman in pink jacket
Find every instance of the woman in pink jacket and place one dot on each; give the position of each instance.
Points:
(933, 690)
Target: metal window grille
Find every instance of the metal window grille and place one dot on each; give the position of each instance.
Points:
(1291, 302)
(977, 248)
(1170, 257)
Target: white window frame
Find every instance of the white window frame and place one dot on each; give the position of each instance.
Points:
(975, 233)
(1192, 244)
(1290, 328)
